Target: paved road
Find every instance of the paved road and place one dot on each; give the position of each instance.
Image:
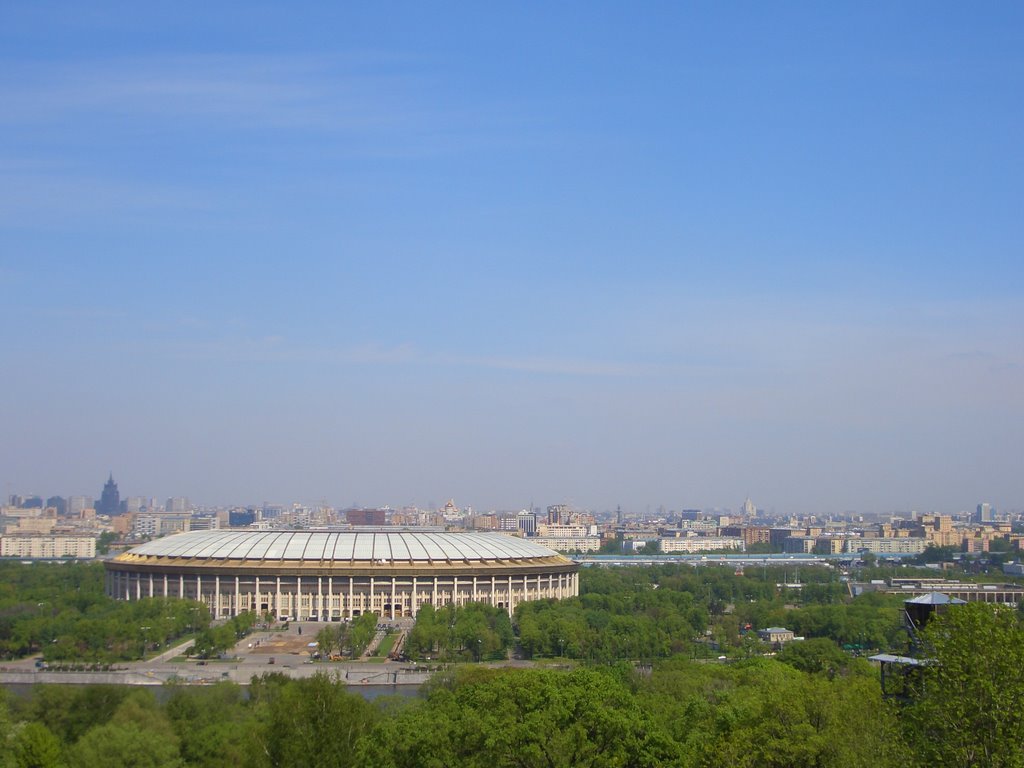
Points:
(252, 656)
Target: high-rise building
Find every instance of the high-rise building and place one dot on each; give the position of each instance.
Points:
(177, 504)
(749, 510)
(558, 514)
(77, 504)
(983, 514)
(110, 499)
(58, 503)
(137, 504)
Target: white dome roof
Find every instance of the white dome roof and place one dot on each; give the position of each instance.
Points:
(401, 547)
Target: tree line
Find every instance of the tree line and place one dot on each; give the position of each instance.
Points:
(635, 612)
(61, 612)
(816, 708)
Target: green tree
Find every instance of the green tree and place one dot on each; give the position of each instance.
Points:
(326, 641)
(969, 708)
(760, 713)
(33, 745)
(817, 654)
(213, 723)
(650, 548)
(69, 711)
(521, 719)
(362, 630)
(124, 745)
(311, 723)
(138, 735)
(106, 538)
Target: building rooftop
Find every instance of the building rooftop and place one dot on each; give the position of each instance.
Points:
(399, 547)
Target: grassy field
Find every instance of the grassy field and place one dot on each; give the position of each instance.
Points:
(386, 645)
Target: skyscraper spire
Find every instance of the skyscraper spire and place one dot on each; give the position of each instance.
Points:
(110, 499)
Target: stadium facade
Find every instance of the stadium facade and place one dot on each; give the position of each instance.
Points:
(331, 576)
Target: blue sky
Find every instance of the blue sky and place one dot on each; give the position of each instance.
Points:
(665, 254)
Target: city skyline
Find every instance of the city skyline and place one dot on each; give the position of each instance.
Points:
(584, 254)
(983, 511)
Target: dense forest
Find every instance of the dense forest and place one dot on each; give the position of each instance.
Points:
(626, 674)
(634, 613)
(967, 709)
(653, 612)
(61, 612)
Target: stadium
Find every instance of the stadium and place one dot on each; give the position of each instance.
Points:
(331, 576)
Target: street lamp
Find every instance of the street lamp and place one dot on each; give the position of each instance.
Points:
(145, 640)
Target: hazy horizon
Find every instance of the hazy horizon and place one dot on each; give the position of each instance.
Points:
(590, 254)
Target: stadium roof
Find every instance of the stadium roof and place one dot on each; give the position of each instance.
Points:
(936, 598)
(399, 547)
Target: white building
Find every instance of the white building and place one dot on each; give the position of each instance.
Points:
(692, 544)
(47, 547)
(568, 543)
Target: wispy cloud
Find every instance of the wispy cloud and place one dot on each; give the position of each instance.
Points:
(373, 95)
(140, 118)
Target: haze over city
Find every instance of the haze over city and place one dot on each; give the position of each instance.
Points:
(589, 254)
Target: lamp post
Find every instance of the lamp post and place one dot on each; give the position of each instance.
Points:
(145, 640)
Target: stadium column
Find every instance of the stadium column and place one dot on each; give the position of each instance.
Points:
(371, 597)
(238, 598)
(199, 588)
(319, 598)
(138, 586)
(435, 592)
(510, 601)
(166, 594)
(259, 602)
(297, 600)
(181, 587)
(351, 595)
(455, 590)
(151, 590)
(216, 597)
(494, 597)
(414, 606)
(393, 595)
(277, 600)
(474, 588)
